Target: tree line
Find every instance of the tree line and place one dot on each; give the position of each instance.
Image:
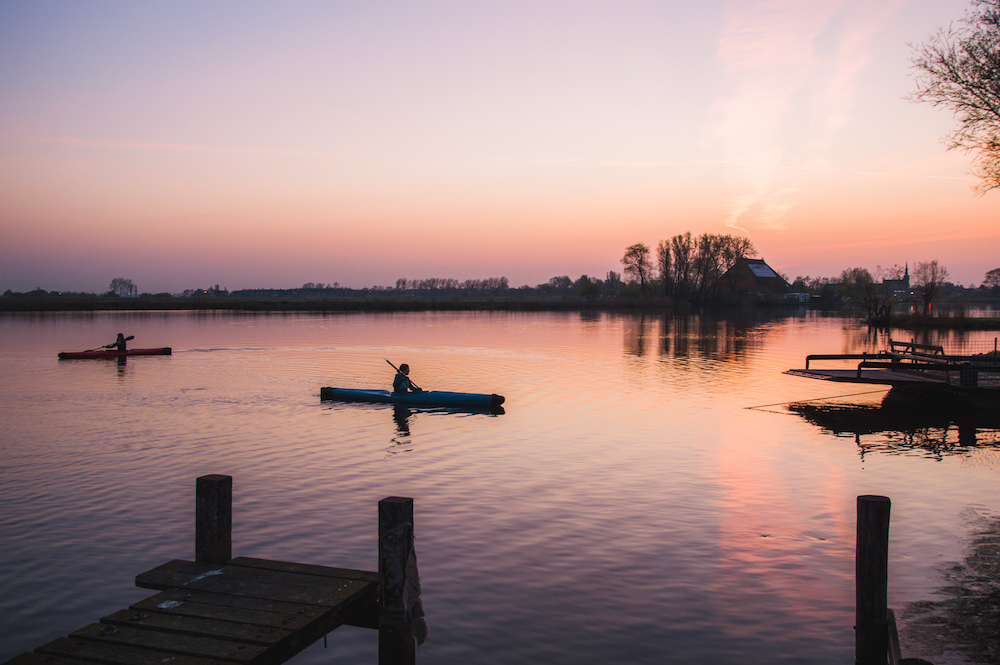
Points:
(489, 284)
(685, 268)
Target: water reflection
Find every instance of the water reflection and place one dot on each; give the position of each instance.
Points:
(727, 337)
(404, 416)
(718, 533)
(895, 426)
(401, 415)
(965, 616)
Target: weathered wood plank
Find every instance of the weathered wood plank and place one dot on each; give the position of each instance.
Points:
(213, 524)
(41, 659)
(212, 627)
(241, 609)
(254, 582)
(114, 654)
(871, 637)
(236, 602)
(305, 569)
(188, 645)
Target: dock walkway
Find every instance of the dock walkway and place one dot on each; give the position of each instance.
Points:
(221, 611)
(923, 370)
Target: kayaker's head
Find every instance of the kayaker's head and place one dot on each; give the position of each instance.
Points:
(404, 369)
(121, 336)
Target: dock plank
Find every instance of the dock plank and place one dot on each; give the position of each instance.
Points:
(41, 659)
(176, 643)
(305, 569)
(214, 627)
(81, 650)
(254, 582)
(878, 376)
(182, 602)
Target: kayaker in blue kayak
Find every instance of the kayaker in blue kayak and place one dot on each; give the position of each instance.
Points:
(402, 383)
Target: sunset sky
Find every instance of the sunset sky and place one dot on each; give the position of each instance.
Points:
(263, 144)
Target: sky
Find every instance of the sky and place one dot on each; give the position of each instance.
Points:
(265, 145)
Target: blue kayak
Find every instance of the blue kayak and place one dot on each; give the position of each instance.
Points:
(429, 398)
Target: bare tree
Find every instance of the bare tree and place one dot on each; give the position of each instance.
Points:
(663, 264)
(123, 287)
(682, 246)
(992, 279)
(864, 293)
(636, 262)
(959, 68)
(715, 255)
(612, 283)
(929, 277)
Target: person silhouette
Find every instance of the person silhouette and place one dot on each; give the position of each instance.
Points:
(402, 383)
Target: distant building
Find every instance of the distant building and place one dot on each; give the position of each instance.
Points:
(754, 276)
(900, 288)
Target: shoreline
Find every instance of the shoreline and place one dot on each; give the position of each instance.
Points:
(387, 303)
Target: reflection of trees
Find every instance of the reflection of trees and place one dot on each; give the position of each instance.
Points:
(965, 618)
(957, 341)
(695, 335)
(900, 429)
(636, 331)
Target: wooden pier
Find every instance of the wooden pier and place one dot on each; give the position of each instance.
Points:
(217, 610)
(922, 370)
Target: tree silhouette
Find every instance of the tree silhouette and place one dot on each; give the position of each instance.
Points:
(959, 68)
(123, 287)
(637, 266)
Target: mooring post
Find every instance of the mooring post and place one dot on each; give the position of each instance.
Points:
(871, 640)
(213, 519)
(396, 644)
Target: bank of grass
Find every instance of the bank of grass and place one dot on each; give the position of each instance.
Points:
(389, 301)
(923, 322)
(379, 302)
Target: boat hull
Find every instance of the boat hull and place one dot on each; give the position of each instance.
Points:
(430, 398)
(113, 353)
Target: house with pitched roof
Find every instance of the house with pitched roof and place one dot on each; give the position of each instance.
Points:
(754, 276)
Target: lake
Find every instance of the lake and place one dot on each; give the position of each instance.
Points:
(654, 491)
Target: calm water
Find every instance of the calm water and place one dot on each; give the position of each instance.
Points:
(647, 497)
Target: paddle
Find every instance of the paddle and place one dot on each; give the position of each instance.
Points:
(112, 344)
(415, 386)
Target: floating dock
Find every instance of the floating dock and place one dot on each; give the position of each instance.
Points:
(218, 610)
(921, 370)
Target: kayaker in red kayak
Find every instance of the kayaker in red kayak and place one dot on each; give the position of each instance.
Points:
(402, 383)
(119, 343)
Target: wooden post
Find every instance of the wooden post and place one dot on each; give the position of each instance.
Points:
(871, 640)
(213, 519)
(396, 644)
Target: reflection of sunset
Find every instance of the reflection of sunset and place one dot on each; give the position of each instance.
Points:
(771, 521)
(647, 496)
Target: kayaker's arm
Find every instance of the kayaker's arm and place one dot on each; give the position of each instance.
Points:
(413, 387)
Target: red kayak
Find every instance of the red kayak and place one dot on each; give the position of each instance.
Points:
(114, 353)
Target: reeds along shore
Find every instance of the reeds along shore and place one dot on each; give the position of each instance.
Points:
(354, 303)
(392, 301)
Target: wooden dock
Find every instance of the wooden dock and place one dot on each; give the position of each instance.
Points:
(218, 610)
(922, 370)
